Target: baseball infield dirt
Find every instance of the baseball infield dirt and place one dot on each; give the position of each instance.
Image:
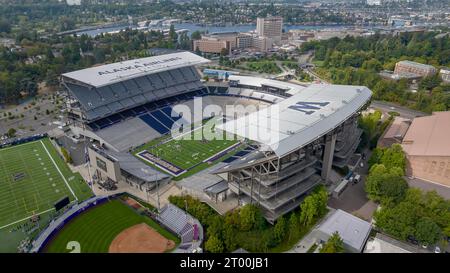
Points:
(140, 239)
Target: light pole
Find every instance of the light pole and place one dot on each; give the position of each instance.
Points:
(157, 192)
(185, 204)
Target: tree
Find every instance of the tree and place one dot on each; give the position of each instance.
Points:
(385, 186)
(214, 244)
(229, 238)
(394, 157)
(279, 231)
(293, 226)
(334, 244)
(196, 35)
(313, 206)
(11, 132)
(224, 52)
(398, 221)
(66, 155)
(5, 26)
(251, 218)
(427, 231)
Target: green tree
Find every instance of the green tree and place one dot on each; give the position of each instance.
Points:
(313, 206)
(11, 132)
(293, 226)
(385, 186)
(394, 157)
(250, 218)
(5, 26)
(214, 244)
(427, 231)
(66, 155)
(334, 244)
(196, 35)
(279, 231)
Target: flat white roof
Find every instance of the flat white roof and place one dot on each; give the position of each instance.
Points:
(110, 73)
(302, 118)
(353, 230)
(259, 82)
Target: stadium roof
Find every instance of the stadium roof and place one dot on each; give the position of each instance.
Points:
(110, 73)
(259, 82)
(134, 166)
(302, 118)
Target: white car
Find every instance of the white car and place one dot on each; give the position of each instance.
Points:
(437, 250)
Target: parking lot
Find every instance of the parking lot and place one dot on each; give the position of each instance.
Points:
(354, 199)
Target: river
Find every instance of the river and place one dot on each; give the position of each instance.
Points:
(211, 29)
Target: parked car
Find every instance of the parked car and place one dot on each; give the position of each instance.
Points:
(437, 250)
(357, 178)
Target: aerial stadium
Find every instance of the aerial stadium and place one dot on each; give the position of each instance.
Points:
(153, 121)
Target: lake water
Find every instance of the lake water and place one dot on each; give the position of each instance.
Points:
(211, 29)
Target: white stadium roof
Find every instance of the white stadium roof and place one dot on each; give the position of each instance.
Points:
(110, 73)
(301, 118)
(259, 82)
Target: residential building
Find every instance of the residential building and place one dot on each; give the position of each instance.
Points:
(409, 67)
(427, 149)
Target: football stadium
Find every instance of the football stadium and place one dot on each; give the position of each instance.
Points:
(150, 128)
(151, 121)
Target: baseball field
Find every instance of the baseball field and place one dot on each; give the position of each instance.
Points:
(112, 227)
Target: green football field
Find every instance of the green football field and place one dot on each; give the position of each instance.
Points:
(191, 149)
(96, 228)
(32, 178)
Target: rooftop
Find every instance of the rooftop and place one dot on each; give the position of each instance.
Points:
(428, 136)
(300, 119)
(353, 230)
(419, 65)
(110, 73)
(398, 128)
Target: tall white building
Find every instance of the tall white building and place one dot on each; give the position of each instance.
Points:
(270, 27)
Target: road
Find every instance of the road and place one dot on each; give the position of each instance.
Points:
(392, 107)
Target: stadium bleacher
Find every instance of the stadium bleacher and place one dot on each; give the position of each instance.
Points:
(155, 124)
(158, 113)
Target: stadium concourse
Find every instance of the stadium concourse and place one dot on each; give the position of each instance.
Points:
(135, 116)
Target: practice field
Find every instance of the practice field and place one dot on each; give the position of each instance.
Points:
(32, 178)
(97, 228)
(185, 152)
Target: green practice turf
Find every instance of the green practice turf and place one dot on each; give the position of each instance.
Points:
(191, 149)
(96, 228)
(42, 181)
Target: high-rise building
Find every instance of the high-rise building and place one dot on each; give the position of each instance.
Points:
(271, 27)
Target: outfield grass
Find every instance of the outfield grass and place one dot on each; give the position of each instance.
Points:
(44, 179)
(96, 228)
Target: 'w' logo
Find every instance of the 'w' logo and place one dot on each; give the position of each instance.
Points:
(308, 107)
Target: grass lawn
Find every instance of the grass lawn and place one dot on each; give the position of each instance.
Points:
(96, 228)
(32, 178)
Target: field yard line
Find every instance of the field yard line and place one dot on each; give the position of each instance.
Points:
(54, 163)
(26, 218)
